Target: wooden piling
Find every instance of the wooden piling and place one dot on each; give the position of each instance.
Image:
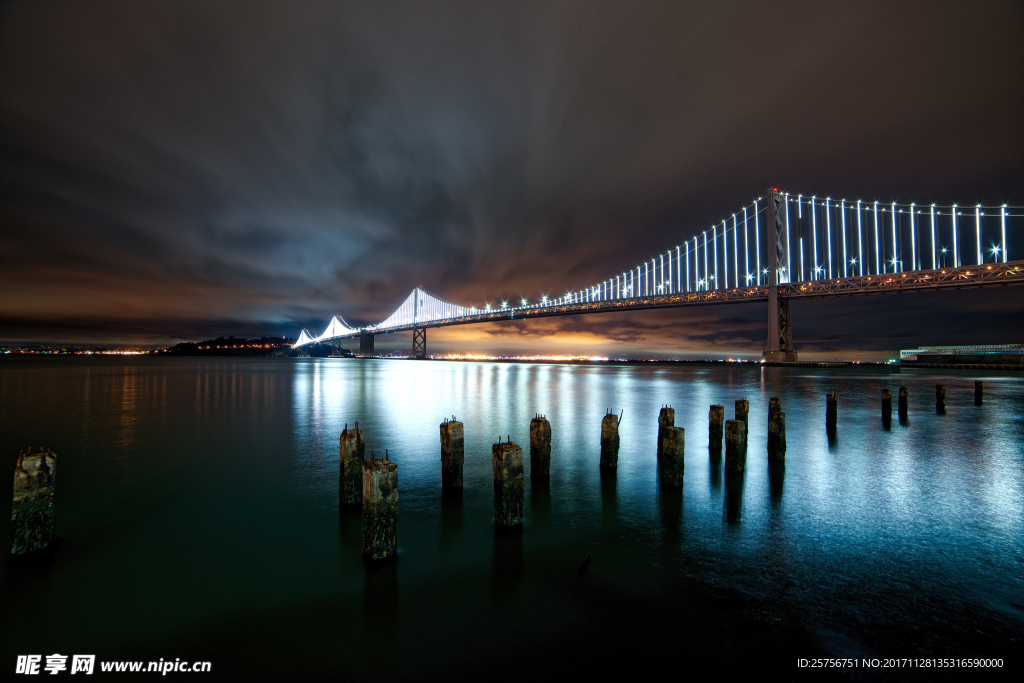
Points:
(610, 441)
(453, 454)
(735, 446)
(776, 431)
(831, 410)
(940, 397)
(351, 450)
(903, 403)
(742, 411)
(380, 508)
(716, 421)
(666, 419)
(887, 404)
(540, 448)
(671, 462)
(979, 392)
(507, 463)
(33, 520)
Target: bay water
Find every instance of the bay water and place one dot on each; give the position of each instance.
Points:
(198, 519)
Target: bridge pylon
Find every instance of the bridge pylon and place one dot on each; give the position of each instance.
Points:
(780, 331)
(419, 342)
(366, 344)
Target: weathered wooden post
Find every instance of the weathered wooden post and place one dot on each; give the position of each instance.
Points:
(33, 520)
(380, 507)
(540, 448)
(453, 454)
(666, 419)
(716, 420)
(671, 462)
(903, 404)
(886, 405)
(351, 450)
(776, 431)
(507, 463)
(735, 446)
(610, 441)
(831, 410)
(742, 411)
(940, 397)
(979, 392)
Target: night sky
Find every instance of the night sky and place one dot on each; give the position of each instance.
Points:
(175, 171)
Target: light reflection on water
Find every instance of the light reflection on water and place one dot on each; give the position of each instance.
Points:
(930, 491)
(237, 461)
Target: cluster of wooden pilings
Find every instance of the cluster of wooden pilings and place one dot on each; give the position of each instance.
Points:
(904, 401)
(735, 433)
(506, 464)
(373, 483)
(671, 448)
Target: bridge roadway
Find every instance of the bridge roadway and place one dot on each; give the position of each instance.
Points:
(965, 277)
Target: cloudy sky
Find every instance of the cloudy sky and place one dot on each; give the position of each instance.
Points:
(178, 170)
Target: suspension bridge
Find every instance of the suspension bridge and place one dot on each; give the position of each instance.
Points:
(777, 249)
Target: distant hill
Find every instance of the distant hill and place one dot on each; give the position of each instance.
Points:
(234, 346)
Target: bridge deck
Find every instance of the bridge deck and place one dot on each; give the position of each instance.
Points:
(989, 275)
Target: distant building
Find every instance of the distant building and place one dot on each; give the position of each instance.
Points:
(997, 354)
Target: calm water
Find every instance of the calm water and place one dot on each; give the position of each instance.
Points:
(198, 518)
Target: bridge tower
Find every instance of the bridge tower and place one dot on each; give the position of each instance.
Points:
(780, 331)
(419, 334)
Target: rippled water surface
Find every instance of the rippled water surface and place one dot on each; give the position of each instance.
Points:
(198, 518)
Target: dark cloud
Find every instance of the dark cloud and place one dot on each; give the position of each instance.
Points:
(167, 169)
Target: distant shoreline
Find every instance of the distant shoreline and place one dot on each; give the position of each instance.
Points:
(621, 362)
